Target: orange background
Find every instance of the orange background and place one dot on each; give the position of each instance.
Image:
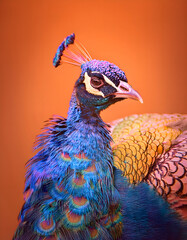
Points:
(146, 38)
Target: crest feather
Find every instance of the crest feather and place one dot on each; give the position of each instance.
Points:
(71, 49)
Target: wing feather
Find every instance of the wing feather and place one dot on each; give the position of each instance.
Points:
(152, 148)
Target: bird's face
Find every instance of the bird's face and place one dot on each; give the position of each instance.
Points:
(101, 84)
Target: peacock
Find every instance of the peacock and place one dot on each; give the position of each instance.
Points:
(93, 180)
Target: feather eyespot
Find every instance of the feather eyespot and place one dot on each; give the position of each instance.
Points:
(96, 82)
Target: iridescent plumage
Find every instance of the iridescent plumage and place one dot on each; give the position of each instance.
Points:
(91, 180)
(153, 148)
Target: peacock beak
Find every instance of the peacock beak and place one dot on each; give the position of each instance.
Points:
(124, 90)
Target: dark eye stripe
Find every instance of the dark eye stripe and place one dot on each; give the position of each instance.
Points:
(98, 75)
(92, 74)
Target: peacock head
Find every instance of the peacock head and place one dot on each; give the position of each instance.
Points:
(101, 83)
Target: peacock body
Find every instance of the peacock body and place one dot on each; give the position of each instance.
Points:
(91, 180)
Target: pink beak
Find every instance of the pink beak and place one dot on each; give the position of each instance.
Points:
(124, 90)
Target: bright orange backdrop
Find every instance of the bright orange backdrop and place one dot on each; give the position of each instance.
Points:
(146, 38)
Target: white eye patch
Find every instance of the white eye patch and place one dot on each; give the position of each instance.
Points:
(93, 90)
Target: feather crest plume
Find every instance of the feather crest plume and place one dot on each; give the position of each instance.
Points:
(71, 51)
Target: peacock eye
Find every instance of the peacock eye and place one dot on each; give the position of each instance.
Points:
(96, 82)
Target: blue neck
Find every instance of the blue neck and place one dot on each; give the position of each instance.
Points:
(86, 132)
